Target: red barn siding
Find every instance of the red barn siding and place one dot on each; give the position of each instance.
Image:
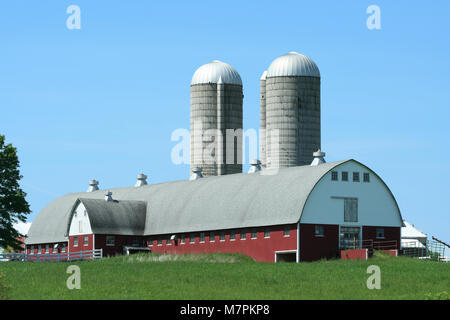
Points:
(260, 249)
(81, 246)
(119, 242)
(391, 240)
(315, 248)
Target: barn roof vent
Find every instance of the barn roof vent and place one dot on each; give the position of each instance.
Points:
(108, 196)
(141, 180)
(256, 166)
(196, 174)
(318, 158)
(93, 186)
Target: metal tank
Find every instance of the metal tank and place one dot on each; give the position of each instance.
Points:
(292, 112)
(216, 106)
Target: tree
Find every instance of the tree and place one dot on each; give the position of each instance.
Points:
(13, 206)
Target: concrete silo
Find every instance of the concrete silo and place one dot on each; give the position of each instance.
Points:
(290, 109)
(216, 107)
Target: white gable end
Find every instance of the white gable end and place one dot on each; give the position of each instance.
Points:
(80, 223)
(376, 205)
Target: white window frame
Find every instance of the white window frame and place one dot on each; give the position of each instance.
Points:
(266, 231)
(376, 233)
(202, 237)
(222, 235)
(213, 238)
(75, 241)
(255, 232)
(243, 232)
(232, 235)
(85, 241)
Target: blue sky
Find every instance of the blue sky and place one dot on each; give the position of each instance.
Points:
(101, 102)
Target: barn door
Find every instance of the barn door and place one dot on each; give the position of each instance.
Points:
(350, 238)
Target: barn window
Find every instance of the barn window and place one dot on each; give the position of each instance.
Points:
(159, 241)
(211, 237)
(366, 177)
(80, 226)
(253, 233)
(150, 242)
(86, 241)
(202, 237)
(232, 235)
(344, 176)
(267, 233)
(243, 234)
(110, 240)
(168, 241)
(47, 248)
(355, 176)
(380, 233)
(39, 248)
(192, 238)
(183, 239)
(63, 248)
(75, 242)
(222, 236)
(319, 231)
(334, 176)
(350, 210)
(286, 231)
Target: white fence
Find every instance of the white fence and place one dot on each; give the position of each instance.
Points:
(55, 257)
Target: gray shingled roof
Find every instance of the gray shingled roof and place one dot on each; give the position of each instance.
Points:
(214, 203)
(116, 217)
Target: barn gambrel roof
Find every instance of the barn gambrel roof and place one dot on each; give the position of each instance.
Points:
(215, 203)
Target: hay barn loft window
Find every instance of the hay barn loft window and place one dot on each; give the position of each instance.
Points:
(350, 210)
(110, 241)
(286, 231)
(380, 233)
(319, 231)
(211, 236)
(344, 176)
(366, 177)
(243, 234)
(355, 176)
(334, 176)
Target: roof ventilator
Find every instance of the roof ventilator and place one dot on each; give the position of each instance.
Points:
(196, 174)
(141, 180)
(93, 186)
(256, 166)
(318, 158)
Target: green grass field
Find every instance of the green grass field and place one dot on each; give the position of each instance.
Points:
(225, 276)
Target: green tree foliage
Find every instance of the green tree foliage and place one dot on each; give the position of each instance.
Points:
(13, 206)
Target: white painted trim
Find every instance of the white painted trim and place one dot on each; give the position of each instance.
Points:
(283, 251)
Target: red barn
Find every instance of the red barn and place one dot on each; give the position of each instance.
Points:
(298, 214)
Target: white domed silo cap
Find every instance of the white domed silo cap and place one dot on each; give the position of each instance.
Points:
(293, 64)
(213, 71)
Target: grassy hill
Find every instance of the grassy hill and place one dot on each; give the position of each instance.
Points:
(226, 276)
